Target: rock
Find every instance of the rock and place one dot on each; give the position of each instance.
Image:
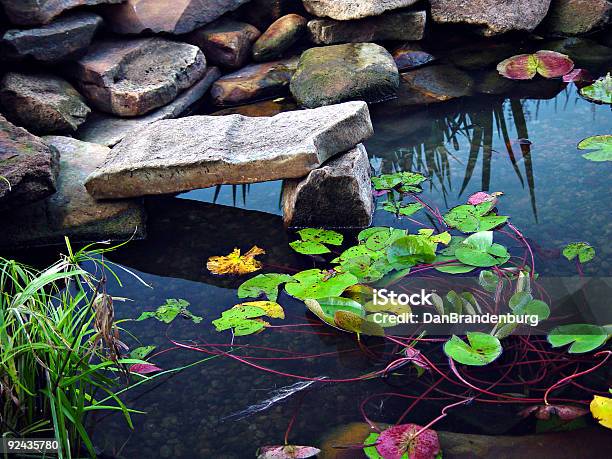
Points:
(484, 55)
(279, 37)
(491, 17)
(262, 13)
(110, 130)
(263, 108)
(432, 84)
(576, 17)
(225, 42)
(172, 156)
(133, 77)
(396, 25)
(254, 83)
(34, 12)
(333, 74)
(63, 39)
(27, 164)
(344, 10)
(337, 195)
(409, 57)
(72, 211)
(181, 16)
(42, 103)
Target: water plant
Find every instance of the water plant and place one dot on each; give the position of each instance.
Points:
(600, 147)
(313, 241)
(169, 311)
(548, 64)
(235, 263)
(600, 91)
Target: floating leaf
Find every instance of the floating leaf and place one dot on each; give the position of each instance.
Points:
(248, 327)
(313, 241)
(287, 452)
(479, 250)
(378, 238)
(315, 284)
(406, 182)
(409, 251)
(481, 350)
(141, 352)
(271, 309)
(470, 219)
(144, 368)
(234, 263)
(398, 442)
(549, 64)
(583, 337)
(601, 409)
(582, 250)
(481, 197)
(237, 316)
(545, 412)
(344, 314)
(489, 281)
(577, 76)
(169, 311)
(601, 146)
(399, 208)
(266, 284)
(600, 91)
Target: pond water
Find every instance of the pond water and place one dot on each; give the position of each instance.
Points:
(525, 148)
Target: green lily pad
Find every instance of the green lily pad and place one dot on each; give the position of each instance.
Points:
(583, 337)
(481, 350)
(170, 311)
(600, 91)
(236, 316)
(478, 250)
(378, 238)
(409, 251)
(399, 208)
(583, 250)
(488, 280)
(523, 304)
(406, 182)
(601, 146)
(313, 241)
(266, 284)
(141, 352)
(315, 284)
(471, 219)
(344, 314)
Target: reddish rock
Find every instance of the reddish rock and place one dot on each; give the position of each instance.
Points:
(279, 37)
(133, 77)
(28, 167)
(35, 12)
(225, 42)
(409, 57)
(178, 16)
(254, 82)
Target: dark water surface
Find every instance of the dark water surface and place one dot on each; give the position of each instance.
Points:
(551, 193)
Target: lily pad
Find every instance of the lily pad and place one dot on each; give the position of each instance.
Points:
(600, 91)
(601, 146)
(399, 208)
(169, 311)
(315, 284)
(405, 182)
(471, 219)
(266, 284)
(478, 250)
(583, 337)
(270, 308)
(236, 264)
(344, 314)
(583, 250)
(313, 241)
(488, 280)
(397, 442)
(409, 251)
(287, 452)
(601, 409)
(481, 350)
(549, 64)
(378, 238)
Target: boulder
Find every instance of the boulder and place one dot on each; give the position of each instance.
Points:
(263, 108)
(337, 195)
(410, 56)
(35, 12)
(491, 17)
(262, 13)
(133, 77)
(279, 37)
(576, 17)
(225, 42)
(42, 103)
(344, 10)
(254, 83)
(333, 74)
(110, 130)
(396, 25)
(173, 156)
(63, 39)
(28, 167)
(72, 211)
(157, 16)
(433, 84)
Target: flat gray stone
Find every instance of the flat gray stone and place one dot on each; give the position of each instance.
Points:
(132, 77)
(63, 39)
(72, 211)
(44, 103)
(173, 156)
(344, 10)
(110, 130)
(491, 17)
(337, 195)
(34, 12)
(395, 25)
(158, 16)
(28, 167)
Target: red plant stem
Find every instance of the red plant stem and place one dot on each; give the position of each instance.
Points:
(576, 375)
(442, 416)
(524, 241)
(417, 400)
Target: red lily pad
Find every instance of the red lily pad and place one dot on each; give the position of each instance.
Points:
(549, 64)
(394, 442)
(144, 368)
(564, 412)
(578, 76)
(287, 452)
